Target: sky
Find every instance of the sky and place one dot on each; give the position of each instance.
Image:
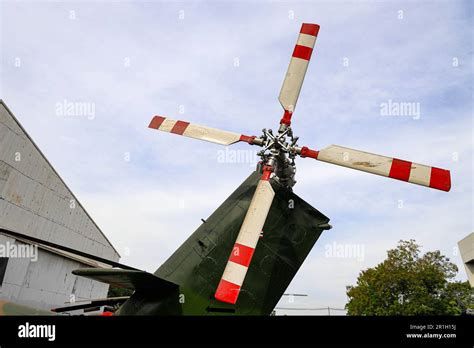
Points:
(222, 65)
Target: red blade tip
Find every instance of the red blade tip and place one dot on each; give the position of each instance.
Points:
(310, 29)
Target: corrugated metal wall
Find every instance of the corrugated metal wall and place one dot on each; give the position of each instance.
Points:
(47, 282)
(35, 201)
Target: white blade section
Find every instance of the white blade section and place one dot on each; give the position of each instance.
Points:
(195, 131)
(387, 166)
(242, 252)
(297, 69)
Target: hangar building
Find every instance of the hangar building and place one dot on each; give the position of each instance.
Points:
(466, 247)
(35, 201)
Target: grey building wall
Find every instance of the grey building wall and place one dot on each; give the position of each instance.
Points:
(466, 248)
(47, 282)
(35, 201)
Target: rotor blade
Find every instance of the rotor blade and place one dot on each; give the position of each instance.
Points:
(381, 165)
(297, 70)
(243, 249)
(195, 131)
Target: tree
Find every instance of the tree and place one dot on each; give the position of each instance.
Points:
(409, 284)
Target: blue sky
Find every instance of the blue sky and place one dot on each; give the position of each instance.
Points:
(134, 60)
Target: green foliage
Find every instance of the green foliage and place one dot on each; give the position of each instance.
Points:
(409, 284)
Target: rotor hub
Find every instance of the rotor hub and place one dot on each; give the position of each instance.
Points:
(279, 152)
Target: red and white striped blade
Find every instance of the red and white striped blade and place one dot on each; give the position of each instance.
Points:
(239, 260)
(195, 131)
(386, 166)
(297, 69)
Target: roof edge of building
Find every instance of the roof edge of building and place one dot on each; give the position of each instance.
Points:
(2, 102)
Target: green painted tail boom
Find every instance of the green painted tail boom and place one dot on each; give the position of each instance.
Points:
(290, 232)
